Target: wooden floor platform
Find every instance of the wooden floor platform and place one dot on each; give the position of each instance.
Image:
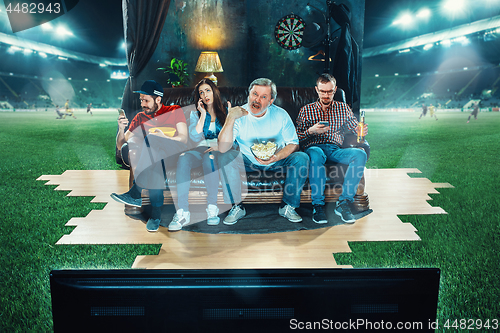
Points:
(392, 192)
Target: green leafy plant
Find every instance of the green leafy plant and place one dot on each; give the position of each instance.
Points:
(178, 75)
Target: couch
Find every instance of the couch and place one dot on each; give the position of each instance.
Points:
(266, 188)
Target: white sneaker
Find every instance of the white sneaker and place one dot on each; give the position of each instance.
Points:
(289, 213)
(181, 218)
(234, 215)
(212, 215)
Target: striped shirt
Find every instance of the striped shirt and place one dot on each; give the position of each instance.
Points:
(338, 115)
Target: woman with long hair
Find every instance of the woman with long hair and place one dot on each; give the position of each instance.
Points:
(204, 126)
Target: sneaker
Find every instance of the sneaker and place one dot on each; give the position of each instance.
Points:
(319, 215)
(212, 215)
(344, 211)
(236, 213)
(153, 224)
(181, 218)
(127, 199)
(289, 213)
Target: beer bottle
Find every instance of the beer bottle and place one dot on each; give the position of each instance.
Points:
(361, 124)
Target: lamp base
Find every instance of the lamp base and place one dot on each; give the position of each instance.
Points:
(212, 77)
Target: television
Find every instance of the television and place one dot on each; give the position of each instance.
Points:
(244, 300)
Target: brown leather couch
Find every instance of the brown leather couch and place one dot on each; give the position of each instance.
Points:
(265, 187)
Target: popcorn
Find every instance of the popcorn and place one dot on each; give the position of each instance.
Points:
(264, 151)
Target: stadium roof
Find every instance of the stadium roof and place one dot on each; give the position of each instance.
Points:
(57, 51)
(447, 34)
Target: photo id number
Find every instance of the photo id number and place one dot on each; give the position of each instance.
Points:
(34, 8)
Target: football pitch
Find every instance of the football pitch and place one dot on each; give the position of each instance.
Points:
(464, 243)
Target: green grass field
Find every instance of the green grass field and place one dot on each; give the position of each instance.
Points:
(464, 244)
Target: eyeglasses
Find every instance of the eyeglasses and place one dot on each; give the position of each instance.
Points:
(326, 92)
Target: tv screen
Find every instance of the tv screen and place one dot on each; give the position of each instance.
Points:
(244, 300)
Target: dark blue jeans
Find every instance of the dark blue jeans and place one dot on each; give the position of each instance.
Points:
(154, 156)
(193, 159)
(296, 167)
(319, 154)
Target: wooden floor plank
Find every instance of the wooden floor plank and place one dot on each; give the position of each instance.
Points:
(392, 192)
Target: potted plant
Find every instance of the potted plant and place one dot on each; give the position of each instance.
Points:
(178, 75)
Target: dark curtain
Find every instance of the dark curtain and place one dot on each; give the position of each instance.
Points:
(346, 68)
(346, 64)
(142, 23)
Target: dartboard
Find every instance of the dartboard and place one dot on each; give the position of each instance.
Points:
(289, 31)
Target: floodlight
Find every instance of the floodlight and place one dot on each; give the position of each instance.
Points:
(404, 51)
(466, 68)
(13, 49)
(376, 75)
(462, 39)
(424, 13)
(86, 79)
(63, 31)
(405, 20)
(62, 58)
(47, 26)
(396, 74)
(27, 51)
(428, 46)
(42, 54)
(454, 7)
(446, 42)
(418, 74)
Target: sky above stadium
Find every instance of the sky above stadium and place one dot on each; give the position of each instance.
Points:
(97, 25)
(389, 21)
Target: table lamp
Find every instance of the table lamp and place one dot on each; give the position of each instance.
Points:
(209, 63)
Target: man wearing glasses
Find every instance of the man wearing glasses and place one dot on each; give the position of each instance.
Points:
(320, 128)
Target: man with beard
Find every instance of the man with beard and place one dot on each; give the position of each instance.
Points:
(151, 151)
(255, 122)
(320, 128)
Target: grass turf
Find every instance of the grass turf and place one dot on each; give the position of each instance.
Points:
(463, 244)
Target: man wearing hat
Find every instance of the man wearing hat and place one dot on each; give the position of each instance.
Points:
(151, 150)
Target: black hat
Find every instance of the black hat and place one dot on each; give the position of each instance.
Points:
(151, 88)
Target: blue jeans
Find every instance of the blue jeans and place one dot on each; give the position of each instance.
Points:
(193, 159)
(319, 154)
(296, 167)
(154, 156)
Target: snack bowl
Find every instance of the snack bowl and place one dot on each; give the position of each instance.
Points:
(168, 131)
(264, 150)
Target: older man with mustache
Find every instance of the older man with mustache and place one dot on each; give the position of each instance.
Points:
(255, 122)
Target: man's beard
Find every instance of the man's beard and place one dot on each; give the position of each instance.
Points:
(260, 105)
(151, 111)
(326, 102)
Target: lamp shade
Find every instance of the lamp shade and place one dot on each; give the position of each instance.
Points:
(209, 62)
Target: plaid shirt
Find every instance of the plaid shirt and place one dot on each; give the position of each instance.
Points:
(338, 114)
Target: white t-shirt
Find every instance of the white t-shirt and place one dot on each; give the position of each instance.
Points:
(276, 125)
